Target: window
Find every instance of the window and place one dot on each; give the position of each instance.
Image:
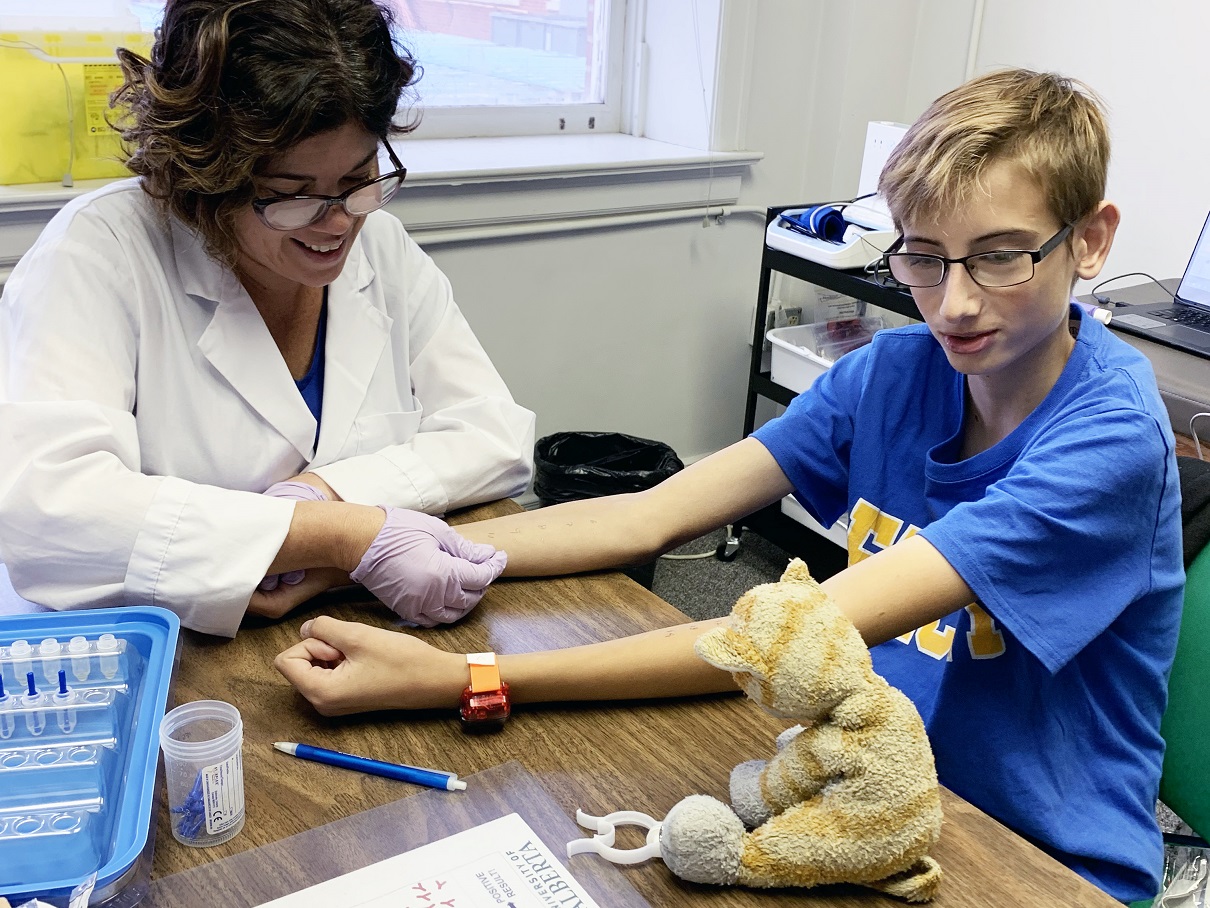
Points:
(652, 156)
(515, 67)
(491, 67)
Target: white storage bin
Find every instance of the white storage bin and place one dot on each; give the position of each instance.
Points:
(792, 364)
(801, 353)
(795, 365)
(837, 532)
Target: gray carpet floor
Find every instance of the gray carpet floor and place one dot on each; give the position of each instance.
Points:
(707, 587)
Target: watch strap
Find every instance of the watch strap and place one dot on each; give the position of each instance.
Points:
(485, 673)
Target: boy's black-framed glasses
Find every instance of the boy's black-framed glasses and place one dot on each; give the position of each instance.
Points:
(998, 268)
(295, 211)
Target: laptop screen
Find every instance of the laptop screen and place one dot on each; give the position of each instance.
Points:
(1195, 285)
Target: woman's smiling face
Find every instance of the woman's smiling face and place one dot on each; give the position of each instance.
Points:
(326, 164)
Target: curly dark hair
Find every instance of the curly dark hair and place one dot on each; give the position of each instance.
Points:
(231, 83)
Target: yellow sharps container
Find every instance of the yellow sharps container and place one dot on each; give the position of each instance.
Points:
(54, 104)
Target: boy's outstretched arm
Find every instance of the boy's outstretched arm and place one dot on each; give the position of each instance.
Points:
(344, 667)
(618, 530)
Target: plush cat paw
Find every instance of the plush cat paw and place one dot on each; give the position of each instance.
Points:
(746, 799)
(701, 841)
(788, 735)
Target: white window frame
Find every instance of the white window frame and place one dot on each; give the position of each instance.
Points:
(552, 119)
(670, 162)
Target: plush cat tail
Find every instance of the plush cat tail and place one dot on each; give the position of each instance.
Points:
(919, 883)
(797, 570)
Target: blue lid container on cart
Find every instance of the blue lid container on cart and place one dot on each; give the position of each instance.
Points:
(83, 695)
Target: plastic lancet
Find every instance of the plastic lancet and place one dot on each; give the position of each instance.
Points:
(107, 647)
(6, 716)
(79, 649)
(602, 841)
(193, 811)
(62, 698)
(35, 721)
(49, 649)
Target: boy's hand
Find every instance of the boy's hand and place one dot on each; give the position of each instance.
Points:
(343, 667)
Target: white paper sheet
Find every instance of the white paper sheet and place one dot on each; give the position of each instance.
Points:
(500, 863)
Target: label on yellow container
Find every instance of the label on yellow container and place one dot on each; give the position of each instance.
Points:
(54, 117)
(100, 81)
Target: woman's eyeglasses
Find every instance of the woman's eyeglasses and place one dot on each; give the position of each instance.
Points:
(1000, 268)
(293, 212)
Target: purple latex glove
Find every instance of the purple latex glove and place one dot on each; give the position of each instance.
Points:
(299, 491)
(424, 571)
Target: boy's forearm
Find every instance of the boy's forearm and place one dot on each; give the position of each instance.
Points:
(617, 530)
(588, 535)
(659, 663)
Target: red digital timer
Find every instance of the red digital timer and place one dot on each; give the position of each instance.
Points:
(485, 703)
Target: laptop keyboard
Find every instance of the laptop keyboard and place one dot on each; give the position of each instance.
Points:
(1184, 315)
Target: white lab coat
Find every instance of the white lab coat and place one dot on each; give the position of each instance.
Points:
(143, 405)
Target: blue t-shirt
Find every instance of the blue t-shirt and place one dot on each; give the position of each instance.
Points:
(1043, 698)
(311, 385)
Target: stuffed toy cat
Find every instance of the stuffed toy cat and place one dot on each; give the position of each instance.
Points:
(850, 797)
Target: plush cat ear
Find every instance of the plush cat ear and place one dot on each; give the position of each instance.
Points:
(724, 648)
(797, 570)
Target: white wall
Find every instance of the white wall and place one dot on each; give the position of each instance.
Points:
(674, 31)
(646, 330)
(638, 330)
(1148, 61)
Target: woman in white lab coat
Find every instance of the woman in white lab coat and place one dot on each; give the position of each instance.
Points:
(240, 318)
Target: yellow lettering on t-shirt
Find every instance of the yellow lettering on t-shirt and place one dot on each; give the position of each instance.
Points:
(983, 640)
(870, 531)
(935, 639)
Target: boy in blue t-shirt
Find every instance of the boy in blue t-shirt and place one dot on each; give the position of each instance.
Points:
(1010, 480)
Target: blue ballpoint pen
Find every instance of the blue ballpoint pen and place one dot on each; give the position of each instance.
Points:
(433, 778)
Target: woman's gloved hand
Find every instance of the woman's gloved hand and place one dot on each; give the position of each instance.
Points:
(424, 571)
(299, 491)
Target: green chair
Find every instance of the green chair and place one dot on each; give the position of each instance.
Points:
(1185, 783)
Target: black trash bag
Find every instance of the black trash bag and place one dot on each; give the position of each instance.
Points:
(569, 466)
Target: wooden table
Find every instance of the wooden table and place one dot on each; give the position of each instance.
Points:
(596, 757)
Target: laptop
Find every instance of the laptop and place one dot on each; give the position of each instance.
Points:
(1184, 322)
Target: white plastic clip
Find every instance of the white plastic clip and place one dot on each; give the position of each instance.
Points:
(602, 841)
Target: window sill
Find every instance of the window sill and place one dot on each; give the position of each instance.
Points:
(460, 184)
(494, 159)
(473, 183)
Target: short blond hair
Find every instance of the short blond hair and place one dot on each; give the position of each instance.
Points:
(1051, 125)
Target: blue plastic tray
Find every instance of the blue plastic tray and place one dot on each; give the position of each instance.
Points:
(77, 773)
